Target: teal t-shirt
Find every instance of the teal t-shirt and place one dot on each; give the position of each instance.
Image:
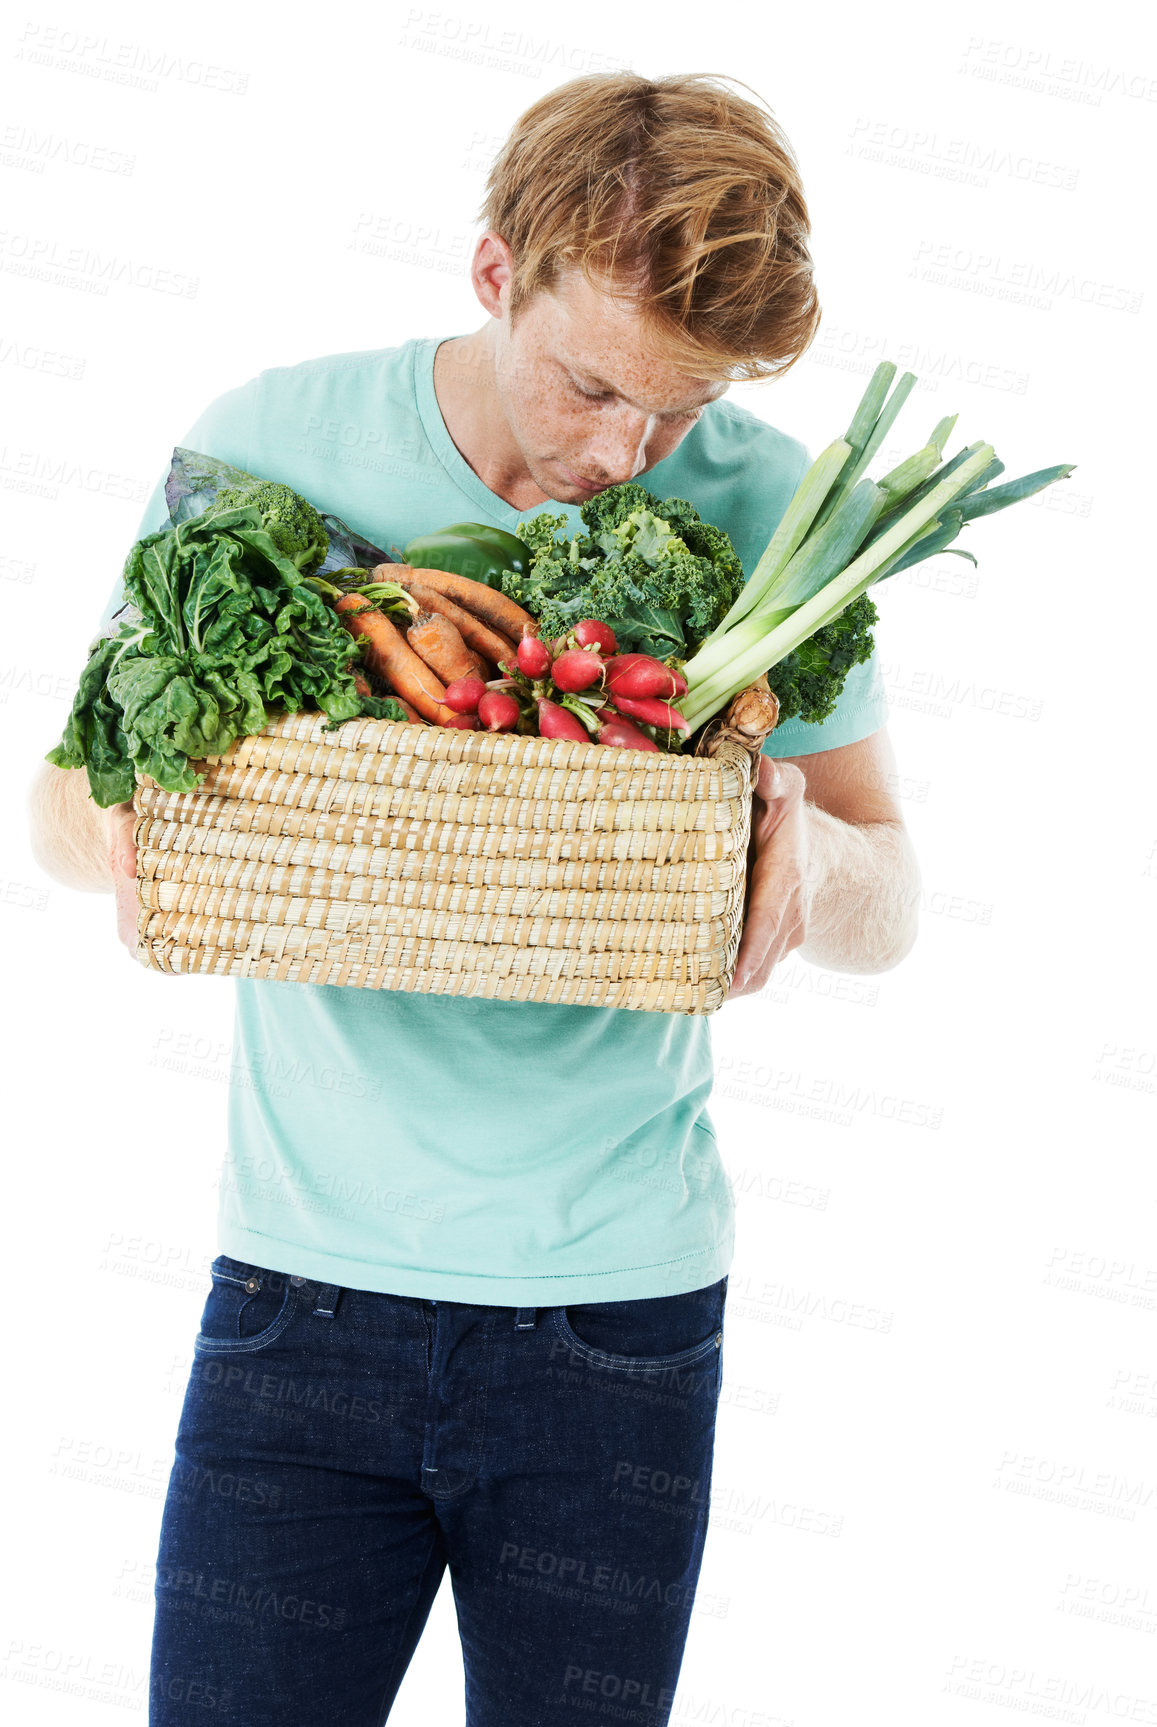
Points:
(507, 1153)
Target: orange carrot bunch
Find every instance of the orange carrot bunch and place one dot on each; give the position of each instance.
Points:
(453, 629)
(451, 660)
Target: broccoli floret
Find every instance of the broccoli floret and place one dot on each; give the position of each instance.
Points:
(808, 682)
(291, 522)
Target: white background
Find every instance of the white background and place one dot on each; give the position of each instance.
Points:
(935, 1494)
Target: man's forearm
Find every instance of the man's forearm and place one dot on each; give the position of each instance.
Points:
(864, 882)
(70, 833)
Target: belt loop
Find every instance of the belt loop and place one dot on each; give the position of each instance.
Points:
(525, 1318)
(327, 1301)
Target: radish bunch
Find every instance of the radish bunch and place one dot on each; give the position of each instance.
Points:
(578, 687)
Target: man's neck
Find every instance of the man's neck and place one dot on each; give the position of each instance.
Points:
(467, 396)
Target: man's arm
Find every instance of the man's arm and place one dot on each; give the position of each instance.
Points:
(78, 843)
(833, 871)
(70, 834)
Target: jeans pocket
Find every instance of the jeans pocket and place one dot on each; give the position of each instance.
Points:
(650, 1332)
(247, 1307)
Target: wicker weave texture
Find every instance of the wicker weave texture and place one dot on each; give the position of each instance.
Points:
(390, 856)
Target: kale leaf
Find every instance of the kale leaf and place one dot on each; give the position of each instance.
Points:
(809, 680)
(648, 567)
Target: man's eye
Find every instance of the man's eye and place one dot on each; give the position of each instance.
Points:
(608, 396)
(592, 395)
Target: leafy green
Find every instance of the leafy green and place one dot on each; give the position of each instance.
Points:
(808, 681)
(374, 708)
(648, 567)
(226, 632)
(196, 481)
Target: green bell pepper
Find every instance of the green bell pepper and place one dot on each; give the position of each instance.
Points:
(470, 549)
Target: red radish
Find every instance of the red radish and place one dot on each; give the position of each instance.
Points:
(462, 723)
(576, 669)
(606, 713)
(625, 736)
(646, 677)
(651, 712)
(590, 633)
(555, 722)
(464, 694)
(620, 662)
(533, 657)
(498, 711)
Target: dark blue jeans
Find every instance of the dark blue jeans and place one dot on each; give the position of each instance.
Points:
(338, 1449)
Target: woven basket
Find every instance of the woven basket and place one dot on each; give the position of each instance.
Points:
(413, 857)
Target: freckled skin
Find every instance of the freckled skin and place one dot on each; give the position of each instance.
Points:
(512, 405)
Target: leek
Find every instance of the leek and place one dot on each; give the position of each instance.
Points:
(797, 519)
(841, 532)
(867, 437)
(826, 552)
(705, 698)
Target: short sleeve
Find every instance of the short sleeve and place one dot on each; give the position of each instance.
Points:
(223, 430)
(861, 707)
(860, 710)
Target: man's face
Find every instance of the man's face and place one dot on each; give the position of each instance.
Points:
(588, 401)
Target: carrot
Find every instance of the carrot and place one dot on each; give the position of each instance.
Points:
(486, 603)
(362, 686)
(391, 657)
(491, 644)
(439, 643)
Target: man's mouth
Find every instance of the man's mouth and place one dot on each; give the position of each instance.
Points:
(583, 485)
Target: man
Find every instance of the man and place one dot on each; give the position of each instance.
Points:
(469, 1301)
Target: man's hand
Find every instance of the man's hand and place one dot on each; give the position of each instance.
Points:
(778, 899)
(122, 861)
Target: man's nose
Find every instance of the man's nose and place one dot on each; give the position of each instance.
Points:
(619, 451)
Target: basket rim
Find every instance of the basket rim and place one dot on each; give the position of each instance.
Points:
(448, 743)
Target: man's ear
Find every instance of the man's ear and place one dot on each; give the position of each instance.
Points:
(491, 273)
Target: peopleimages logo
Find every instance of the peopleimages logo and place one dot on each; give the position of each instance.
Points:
(117, 62)
(49, 259)
(45, 473)
(927, 690)
(1049, 1696)
(854, 349)
(926, 151)
(48, 362)
(24, 147)
(778, 1087)
(1029, 67)
(479, 43)
(1023, 281)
